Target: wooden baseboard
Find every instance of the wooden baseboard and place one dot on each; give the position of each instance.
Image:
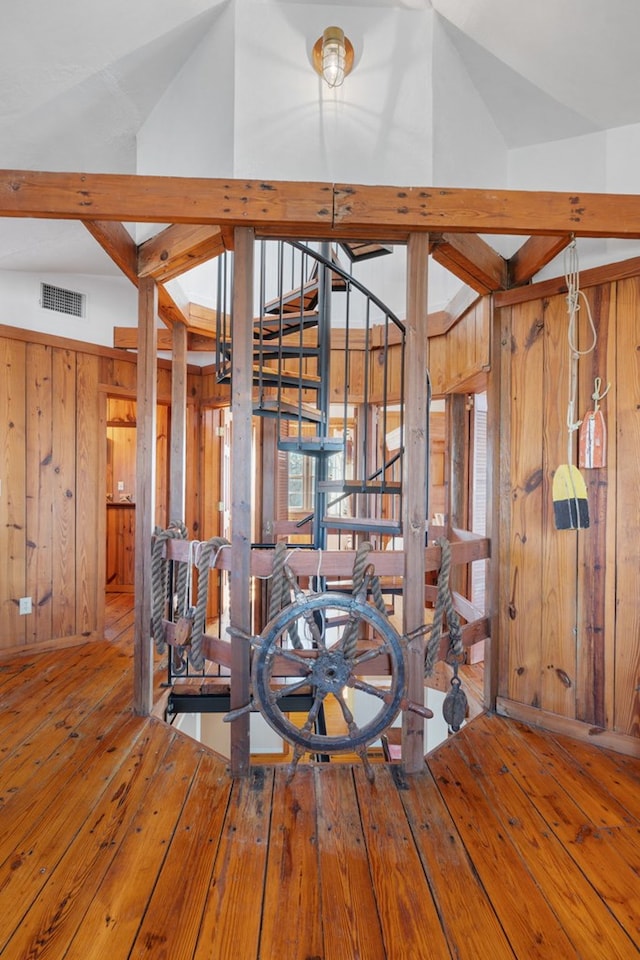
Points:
(554, 723)
(61, 643)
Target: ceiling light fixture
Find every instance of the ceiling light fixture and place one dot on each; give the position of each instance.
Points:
(333, 56)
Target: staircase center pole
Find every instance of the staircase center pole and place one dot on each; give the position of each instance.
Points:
(324, 372)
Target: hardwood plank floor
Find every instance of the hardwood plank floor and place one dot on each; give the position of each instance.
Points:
(122, 838)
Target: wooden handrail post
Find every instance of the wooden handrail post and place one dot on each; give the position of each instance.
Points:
(241, 475)
(415, 484)
(145, 494)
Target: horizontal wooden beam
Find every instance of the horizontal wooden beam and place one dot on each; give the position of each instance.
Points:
(339, 563)
(316, 209)
(178, 248)
(472, 260)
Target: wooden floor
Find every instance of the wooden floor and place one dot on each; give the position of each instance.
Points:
(121, 838)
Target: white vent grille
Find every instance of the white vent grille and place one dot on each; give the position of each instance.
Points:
(62, 301)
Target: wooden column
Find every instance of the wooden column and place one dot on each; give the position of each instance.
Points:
(415, 485)
(178, 449)
(241, 468)
(145, 494)
(498, 491)
(457, 455)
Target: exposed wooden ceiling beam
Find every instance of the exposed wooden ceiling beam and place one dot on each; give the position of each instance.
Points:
(472, 260)
(178, 248)
(119, 244)
(534, 254)
(316, 209)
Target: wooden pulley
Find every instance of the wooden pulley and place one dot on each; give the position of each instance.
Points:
(455, 706)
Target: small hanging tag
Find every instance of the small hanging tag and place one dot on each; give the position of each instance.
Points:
(593, 441)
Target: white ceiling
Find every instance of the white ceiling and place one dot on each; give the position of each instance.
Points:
(77, 80)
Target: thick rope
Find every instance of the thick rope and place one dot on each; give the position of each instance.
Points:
(360, 567)
(280, 596)
(207, 550)
(159, 577)
(444, 606)
(574, 293)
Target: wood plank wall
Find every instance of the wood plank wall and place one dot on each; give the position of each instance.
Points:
(569, 612)
(53, 481)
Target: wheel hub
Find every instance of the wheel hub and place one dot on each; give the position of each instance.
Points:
(330, 672)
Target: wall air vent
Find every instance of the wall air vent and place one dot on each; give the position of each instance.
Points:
(62, 301)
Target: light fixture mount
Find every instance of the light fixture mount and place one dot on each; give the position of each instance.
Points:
(333, 56)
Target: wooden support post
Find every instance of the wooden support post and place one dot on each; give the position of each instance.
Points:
(145, 494)
(178, 449)
(457, 455)
(414, 500)
(241, 475)
(498, 490)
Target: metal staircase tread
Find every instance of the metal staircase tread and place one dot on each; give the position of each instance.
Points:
(312, 446)
(361, 486)
(270, 407)
(268, 375)
(367, 524)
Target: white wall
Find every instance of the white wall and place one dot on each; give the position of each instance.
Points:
(190, 131)
(110, 301)
(469, 150)
(376, 128)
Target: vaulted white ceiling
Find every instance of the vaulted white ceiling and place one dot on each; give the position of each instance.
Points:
(78, 81)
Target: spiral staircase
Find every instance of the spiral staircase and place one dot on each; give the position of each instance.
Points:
(313, 317)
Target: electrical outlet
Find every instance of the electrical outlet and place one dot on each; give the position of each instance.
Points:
(120, 486)
(25, 605)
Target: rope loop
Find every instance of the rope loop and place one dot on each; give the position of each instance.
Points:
(281, 591)
(161, 596)
(206, 556)
(444, 607)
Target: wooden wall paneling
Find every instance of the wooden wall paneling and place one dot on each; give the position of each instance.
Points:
(610, 407)
(12, 497)
(596, 548)
(626, 717)
(192, 470)
(90, 510)
(146, 393)
(558, 597)
(211, 494)
(524, 586)
(39, 498)
(123, 373)
(121, 411)
(65, 502)
(438, 364)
